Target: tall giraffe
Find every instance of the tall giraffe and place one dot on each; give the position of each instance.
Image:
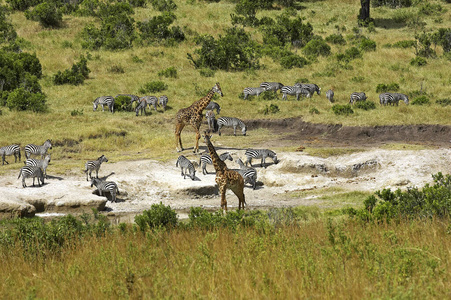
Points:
(225, 178)
(193, 115)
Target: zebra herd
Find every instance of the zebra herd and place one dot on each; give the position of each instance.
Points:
(143, 102)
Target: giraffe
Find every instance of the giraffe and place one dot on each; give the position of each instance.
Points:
(225, 178)
(193, 115)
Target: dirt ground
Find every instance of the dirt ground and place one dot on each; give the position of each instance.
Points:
(146, 182)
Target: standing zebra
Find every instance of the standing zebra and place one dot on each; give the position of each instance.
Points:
(231, 122)
(393, 98)
(10, 150)
(311, 87)
(133, 98)
(206, 159)
(260, 153)
(294, 90)
(141, 107)
(163, 101)
(41, 163)
(92, 165)
(357, 97)
(249, 174)
(211, 120)
(213, 106)
(253, 91)
(186, 165)
(106, 186)
(37, 150)
(33, 172)
(271, 86)
(330, 96)
(104, 100)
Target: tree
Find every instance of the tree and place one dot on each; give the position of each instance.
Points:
(364, 15)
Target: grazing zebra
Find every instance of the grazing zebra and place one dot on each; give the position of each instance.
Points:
(108, 100)
(33, 172)
(253, 91)
(260, 153)
(163, 101)
(41, 163)
(211, 120)
(249, 174)
(294, 90)
(92, 165)
(357, 97)
(106, 186)
(206, 159)
(133, 98)
(10, 150)
(330, 96)
(185, 165)
(37, 150)
(141, 107)
(311, 87)
(392, 98)
(271, 86)
(213, 106)
(231, 122)
(151, 100)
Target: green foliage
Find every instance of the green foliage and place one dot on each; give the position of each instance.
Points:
(22, 5)
(153, 87)
(429, 9)
(7, 32)
(271, 109)
(88, 8)
(444, 102)
(286, 31)
(418, 61)
(367, 45)
(122, 103)
(170, 72)
(313, 111)
(421, 100)
(383, 88)
(424, 43)
(336, 39)
(293, 61)
(163, 5)
(391, 3)
(342, 110)
(205, 72)
(442, 37)
(349, 55)
(404, 44)
(316, 47)
(21, 99)
(157, 29)
(267, 95)
(76, 112)
(46, 13)
(365, 105)
(74, 76)
(157, 216)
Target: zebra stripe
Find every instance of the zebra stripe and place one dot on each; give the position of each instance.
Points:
(205, 160)
(33, 172)
(186, 165)
(330, 96)
(357, 97)
(163, 101)
(393, 98)
(260, 153)
(106, 186)
(213, 106)
(249, 174)
(271, 86)
(10, 150)
(311, 87)
(294, 90)
(92, 165)
(151, 100)
(141, 107)
(108, 100)
(211, 120)
(250, 91)
(41, 163)
(133, 98)
(37, 150)
(231, 122)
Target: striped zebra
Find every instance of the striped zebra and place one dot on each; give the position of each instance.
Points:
(231, 122)
(211, 120)
(186, 165)
(163, 101)
(393, 98)
(133, 98)
(31, 172)
(151, 101)
(250, 91)
(106, 187)
(10, 150)
(213, 106)
(37, 150)
(271, 86)
(104, 100)
(357, 97)
(141, 107)
(330, 96)
(41, 163)
(249, 174)
(311, 87)
(94, 165)
(205, 159)
(294, 91)
(260, 153)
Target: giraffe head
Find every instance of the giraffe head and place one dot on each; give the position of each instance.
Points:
(217, 89)
(207, 135)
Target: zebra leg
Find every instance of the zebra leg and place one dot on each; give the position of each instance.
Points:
(4, 160)
(204, 169)
(219, 129)
(113, 195)
(234, 130)
(249, 160)
(23, 182)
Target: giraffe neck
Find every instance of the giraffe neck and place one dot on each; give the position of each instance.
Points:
(203, 102)
(218, 164)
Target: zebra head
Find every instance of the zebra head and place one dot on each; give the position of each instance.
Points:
(48, 144)
(217, 89)
(95, 104)
(94, 181)
(102, 158)
(243, 130)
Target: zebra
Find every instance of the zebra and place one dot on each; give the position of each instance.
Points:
(185, 165)
(92, 165)
(151, 100)
(213, 106)
(37, 150)
(108, 100)
(106, 186)
(253, 91)
(330, 96)
(249, 174)
(211, 120)
(41, 163)
(10, 150)
(133, 98)
(260, 153)
(357, 97)
(163, 101)
(294, 90)
(206, 159)
(33, 172)
(231, 122)
(392, 98)
(141, 107)
(271, 86)
(311, 87)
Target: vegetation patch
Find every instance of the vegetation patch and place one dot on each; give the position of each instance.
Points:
(342, 110)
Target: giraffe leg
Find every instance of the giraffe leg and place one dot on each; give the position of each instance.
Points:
(222, 192)
(178, 140)
(238, 190)
(196, 147)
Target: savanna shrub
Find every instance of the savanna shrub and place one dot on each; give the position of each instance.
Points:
(157, 29)
(268, 95)
(74, 76)
(421, 100)
(343, 110)
(404, 44)
(76, 112)
(336, 39)
(383, 88)
(293, 61)
(22, 5)
(349, 54)
(163, 5)
(271, 109)
(418, 61)
(205, 72)
(444, 102)
(314, 111)
(153, 87)
(429, 9)
(365, 105)
(157, 216)
(170, 72)
(21, 99)
(122, 103)
(287, 31)
(46, 13)
(367, 45)
(7, 31)
(316, 47)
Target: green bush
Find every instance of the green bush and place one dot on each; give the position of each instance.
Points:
(22, 5)
(46, 13)
(286, 31)
(163, 5)
(170, 72)
(391, 3)
(336, 39)
(158, 29)
(316, 47)
(153, 87)
(116, 69)
(314, 111)
(365, 105)
(267, 95)
(76, 112)
(429, 9)
(421, 100)
(404, 44)
(342, 110)
(358, 79)
(367, 45)
(444, 102)
(383, 88)
(7, 32)
(122, 103)
(74, 76)
(418, 61)
(350, 54)
(271, 109)
(157, 216)
(21, 99)
(205, 72)
(293, 61)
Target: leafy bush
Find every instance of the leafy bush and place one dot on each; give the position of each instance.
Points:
(47, 14)
(421, 100)
(349, 54)
(287, 31)
(271, 109)
(443, 38)
(21, 99)
(336, 39)
(122, 103)
(367, 45)
(444, 102)
(163, 5)
(22, 5)
(157, 216)
(170, 72)
(404, 44)
(74, 76)
(429, 9)
(316, 47)
(205, 72)
(418, 61)
(313, 111)
(365, 105)
(267, 95)
(153, 87)
(7, 32)
(383, 88)
(76, 112)
(343, 110)
(293, 61)
(157, 29)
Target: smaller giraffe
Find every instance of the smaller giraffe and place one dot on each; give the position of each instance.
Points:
(225, 178)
